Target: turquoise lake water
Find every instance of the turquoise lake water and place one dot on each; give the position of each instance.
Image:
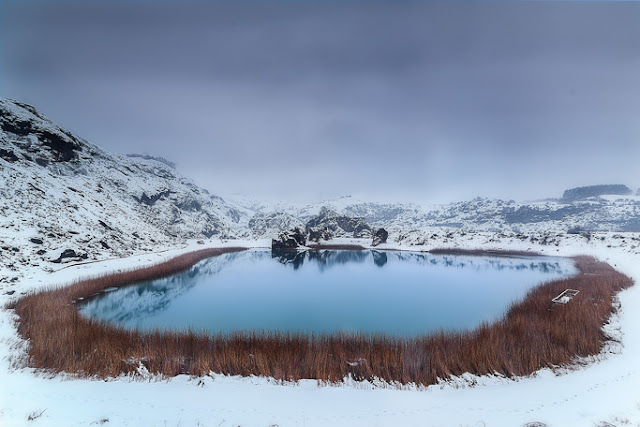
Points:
(394, 293)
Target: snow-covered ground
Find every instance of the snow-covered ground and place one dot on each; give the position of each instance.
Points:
(595, 392)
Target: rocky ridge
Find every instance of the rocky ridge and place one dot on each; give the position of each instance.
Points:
(65, 200)
(61, 193)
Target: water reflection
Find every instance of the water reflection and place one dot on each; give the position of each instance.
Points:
(325, 259)
(322, 259)
(396, 293)
(379, 258)
(294, 258)
(149, 298)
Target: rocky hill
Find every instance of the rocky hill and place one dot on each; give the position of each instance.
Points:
(61, 193)
(63, 199)
(582, 193)
(602, 213)
(330, 223)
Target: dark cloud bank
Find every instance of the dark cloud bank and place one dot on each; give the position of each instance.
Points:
(302, 100)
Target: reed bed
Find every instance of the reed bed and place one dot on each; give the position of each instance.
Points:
(533, 334)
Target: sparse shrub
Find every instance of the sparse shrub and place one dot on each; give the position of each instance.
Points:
(35, 415)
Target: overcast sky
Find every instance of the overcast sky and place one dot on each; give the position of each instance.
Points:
(425, 101)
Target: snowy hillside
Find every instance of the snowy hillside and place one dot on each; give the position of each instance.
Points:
(60, 192)
(602, 213)
(64, 199)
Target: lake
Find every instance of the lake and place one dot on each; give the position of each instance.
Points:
(400, 294)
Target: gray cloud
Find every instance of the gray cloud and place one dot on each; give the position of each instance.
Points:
(413, 100)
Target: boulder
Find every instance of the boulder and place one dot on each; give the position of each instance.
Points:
(69, 255)
(380, 236)
(8, 155)
(289, 240)
(361, 229)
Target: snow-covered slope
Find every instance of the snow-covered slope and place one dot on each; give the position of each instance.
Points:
(60, 192)
(414, 222)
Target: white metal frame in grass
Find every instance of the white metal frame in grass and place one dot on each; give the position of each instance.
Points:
(566, 296)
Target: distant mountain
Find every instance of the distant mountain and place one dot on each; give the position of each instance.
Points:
(582, 193)
(490, 215)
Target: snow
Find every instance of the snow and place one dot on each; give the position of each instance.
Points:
(104, 205)
(98, 198)
(601, 389)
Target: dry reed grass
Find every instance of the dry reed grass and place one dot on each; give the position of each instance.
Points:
(533, 334)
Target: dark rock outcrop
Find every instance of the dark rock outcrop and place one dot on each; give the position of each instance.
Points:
(42, 161)
(581, 193)
(8, 155)
(319, 233)
(340, 225)
(379, 237)
(574, 230)
(69, 255)
(61, 146)
(17, 127)
(289, 240)
(64, 147)
(210, 231)
(528, 215)
(189, 205)
(151, 200)
(162, 160)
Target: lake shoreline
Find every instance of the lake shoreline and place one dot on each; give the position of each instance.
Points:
(63, 341)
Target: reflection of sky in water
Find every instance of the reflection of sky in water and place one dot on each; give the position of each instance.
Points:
(397, 293)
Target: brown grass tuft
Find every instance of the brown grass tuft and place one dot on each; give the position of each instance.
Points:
(533, 334)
